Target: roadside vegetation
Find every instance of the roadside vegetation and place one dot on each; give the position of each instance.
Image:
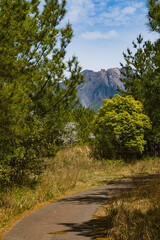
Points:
(50, 145)
(71, 171)
(134, 215)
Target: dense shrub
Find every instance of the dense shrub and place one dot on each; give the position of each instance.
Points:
(120, 126)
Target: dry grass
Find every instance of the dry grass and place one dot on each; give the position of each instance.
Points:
(66, 174)
(71, 171)
(133, 216)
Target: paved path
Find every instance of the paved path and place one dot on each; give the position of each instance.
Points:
(70, 218)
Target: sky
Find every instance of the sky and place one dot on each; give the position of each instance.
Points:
(104, 29)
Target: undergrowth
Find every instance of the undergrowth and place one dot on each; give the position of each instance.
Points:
(133, 216)
(70, 171)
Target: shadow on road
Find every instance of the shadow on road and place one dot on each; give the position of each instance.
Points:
(85, 229)
(139, 179)
(102, 194)
(105, 224)
(97, 196)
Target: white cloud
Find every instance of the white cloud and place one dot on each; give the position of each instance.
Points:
(83, 13)
(121, 14)
(99, 35)
(139, 4)
(79, 10)
(128, 10)
(93, 19)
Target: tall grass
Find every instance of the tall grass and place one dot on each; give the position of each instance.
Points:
(133, 216)
(61, 175)
(70, 171)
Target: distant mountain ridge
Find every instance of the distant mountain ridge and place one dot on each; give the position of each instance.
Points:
(98, 86)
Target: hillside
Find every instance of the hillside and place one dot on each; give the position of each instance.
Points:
(98, 86)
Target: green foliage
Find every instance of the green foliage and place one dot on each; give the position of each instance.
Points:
(35, 93)
(138, 69)
(141, 77)
(154, 15)
(20, 137)
(120, 127)
(96, 105)
(141, 74)
(83, 118)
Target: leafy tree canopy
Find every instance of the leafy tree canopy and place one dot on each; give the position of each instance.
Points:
(120, 126)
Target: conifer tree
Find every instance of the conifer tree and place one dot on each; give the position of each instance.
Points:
(154, 15)
(35, 92)
(141, 75)
(83, 118)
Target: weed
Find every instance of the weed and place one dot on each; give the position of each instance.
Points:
(70, 171)
(133, 216)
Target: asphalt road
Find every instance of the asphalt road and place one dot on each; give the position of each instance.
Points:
(70, 218)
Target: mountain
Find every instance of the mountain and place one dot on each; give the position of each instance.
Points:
(98, 86)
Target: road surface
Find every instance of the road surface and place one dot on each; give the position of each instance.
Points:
(70, 218)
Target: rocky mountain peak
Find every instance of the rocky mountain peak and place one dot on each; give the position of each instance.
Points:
(99, 85)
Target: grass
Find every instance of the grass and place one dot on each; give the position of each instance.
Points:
(70, 171)
(133, 216)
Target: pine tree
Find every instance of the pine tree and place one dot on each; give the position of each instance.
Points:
(141, 75)
(83, 118)
(35, 92)
(154, 15)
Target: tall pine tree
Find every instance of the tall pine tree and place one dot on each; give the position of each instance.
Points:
(141, 75)
(35, 92)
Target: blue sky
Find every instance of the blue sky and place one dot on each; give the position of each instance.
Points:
(103, 29)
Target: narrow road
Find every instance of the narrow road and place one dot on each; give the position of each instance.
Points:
(70, 218)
